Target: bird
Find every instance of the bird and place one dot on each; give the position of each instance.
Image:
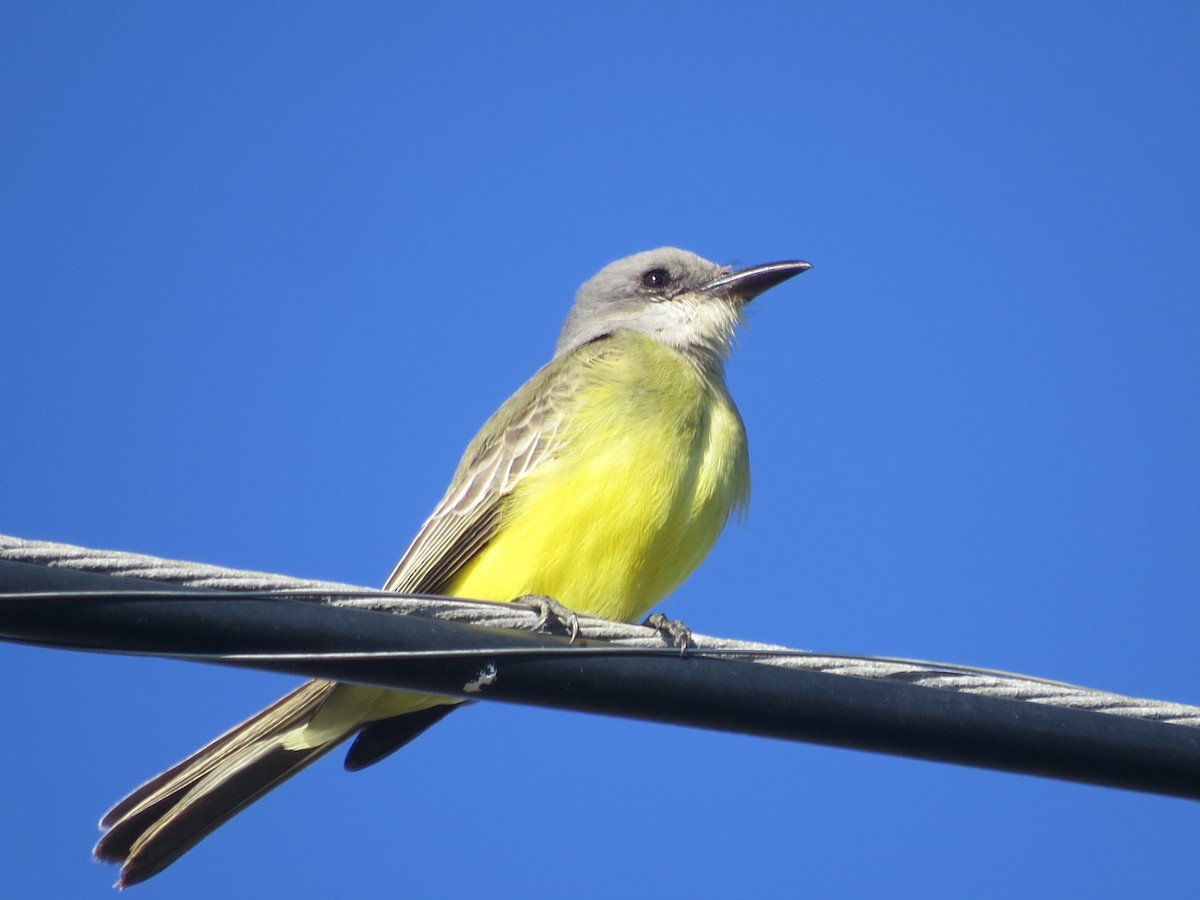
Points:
(598, 486)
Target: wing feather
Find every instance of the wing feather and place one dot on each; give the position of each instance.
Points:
(523, 433)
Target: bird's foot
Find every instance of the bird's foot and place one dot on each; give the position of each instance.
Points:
(672, 629)
(550, 610)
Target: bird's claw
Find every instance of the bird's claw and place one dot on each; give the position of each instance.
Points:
(673, 629)
(549, 609)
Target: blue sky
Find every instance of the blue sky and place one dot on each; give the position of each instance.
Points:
(267, 268)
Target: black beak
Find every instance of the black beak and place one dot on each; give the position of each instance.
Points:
(746, 284)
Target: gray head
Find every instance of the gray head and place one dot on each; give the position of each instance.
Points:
(674, 296)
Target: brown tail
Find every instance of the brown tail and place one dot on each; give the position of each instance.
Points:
(170, 813)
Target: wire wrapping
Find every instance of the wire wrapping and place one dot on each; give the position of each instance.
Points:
(928, 710)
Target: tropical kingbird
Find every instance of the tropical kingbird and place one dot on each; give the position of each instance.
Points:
(602, 483)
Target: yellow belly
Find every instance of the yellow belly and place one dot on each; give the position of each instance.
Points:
(654, 460)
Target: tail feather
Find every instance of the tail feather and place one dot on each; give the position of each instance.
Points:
(285, 713)
(170, 813)
(384, 737)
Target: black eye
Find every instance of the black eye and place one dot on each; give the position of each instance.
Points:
(656, 278)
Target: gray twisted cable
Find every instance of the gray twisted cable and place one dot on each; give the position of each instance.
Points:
(939, 676)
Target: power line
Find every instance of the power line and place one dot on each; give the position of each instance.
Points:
(76, 598)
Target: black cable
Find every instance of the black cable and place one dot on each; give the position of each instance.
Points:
(59, 607)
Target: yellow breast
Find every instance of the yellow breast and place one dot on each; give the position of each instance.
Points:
(651, 461)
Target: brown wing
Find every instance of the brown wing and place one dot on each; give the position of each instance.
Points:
(518, 437)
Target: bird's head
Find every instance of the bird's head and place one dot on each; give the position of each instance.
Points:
(676, 297)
